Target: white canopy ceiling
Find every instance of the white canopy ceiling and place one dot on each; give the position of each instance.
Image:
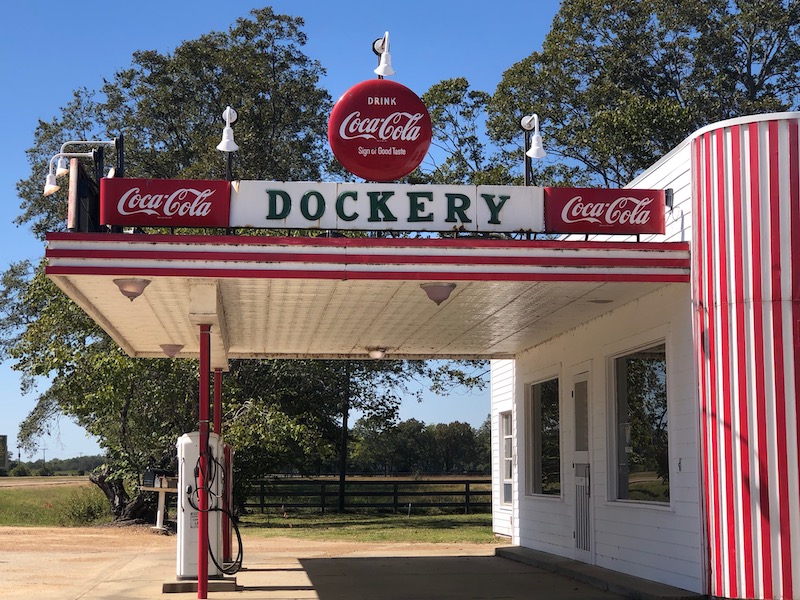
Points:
(340, 297)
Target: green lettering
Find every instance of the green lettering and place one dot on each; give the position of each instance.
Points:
(304, 205)
(415, 199)
(340, 205)
(377, 204)
(494, 219)
(272, 205)
(454, 209)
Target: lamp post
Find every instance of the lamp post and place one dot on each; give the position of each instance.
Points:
(533, 143)
(381, 48)
(228, 145)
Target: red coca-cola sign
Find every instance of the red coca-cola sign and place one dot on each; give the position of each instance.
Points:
(611, 211)
(379, 130)
(164, 202)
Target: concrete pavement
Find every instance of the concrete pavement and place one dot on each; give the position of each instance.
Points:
(276, 569)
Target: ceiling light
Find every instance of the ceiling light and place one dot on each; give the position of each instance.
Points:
(132, 287)
(438, 291)
(171, 350)
(376, 353)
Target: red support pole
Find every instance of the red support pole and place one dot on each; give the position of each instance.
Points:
(218, 402)
(202, 518)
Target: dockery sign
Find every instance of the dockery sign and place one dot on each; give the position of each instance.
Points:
(379, 206)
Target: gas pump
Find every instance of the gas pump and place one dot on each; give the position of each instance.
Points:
(188, 512)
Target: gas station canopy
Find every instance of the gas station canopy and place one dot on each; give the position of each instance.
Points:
(303, 297)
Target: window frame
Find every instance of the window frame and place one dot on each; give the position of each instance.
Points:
(613, 414)
(506, 460)
(533, 464)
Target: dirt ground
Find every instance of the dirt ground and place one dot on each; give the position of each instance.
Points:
(57, 563)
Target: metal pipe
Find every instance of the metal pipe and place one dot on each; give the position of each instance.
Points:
(202, 481)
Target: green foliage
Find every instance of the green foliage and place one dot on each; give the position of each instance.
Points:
(412, 447)
(457, 115)
(52, 505)
(619, 85)
(83, 506)
(20, 471)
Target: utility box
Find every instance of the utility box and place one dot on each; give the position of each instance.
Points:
(188, 502)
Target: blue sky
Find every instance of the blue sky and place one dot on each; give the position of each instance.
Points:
(48, 49)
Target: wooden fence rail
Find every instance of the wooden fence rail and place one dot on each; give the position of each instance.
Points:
(323, 494)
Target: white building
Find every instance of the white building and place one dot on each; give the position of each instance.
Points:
(577, 419)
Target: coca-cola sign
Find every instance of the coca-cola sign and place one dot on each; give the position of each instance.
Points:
(164, 202)
(379, 130)
(611, 211)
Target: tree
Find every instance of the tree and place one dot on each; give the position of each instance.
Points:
(619, 85)
(457, 115)
(454, 446)
(169, 108)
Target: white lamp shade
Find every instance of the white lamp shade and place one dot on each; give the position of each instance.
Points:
(227, 144)
(50, 185)
(62, 167)
(132, 287)
(385, 66)
(536, 150)
(438, 291)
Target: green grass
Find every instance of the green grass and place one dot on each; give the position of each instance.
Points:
(52, 506)
(372, 527)
(84, 504)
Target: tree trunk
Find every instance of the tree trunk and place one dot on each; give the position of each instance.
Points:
(140, 508)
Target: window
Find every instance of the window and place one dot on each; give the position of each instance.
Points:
(641, 425)
(508, 456)
(545, 446)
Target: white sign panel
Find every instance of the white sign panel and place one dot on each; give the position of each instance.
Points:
(378, 206)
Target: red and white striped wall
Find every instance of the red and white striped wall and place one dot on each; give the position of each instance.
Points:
(746, 288)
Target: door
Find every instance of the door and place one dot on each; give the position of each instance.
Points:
(582, 468)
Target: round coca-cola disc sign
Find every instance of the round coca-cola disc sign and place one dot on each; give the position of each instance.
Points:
(379, 130)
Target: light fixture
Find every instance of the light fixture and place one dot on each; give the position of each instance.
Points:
(132, 287)
(63, 165)
(227, 144)
(438, 291)
(531, 122)
(50, 185)
(376, 353)
(171, 350)
(381, 48)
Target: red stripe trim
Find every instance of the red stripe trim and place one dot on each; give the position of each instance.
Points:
(463, 243)
(725, 393)
(374, 275)
(553, 260)
(758, 338)
(702, 355)
(777, 336)
(713, 353)
(741, 362)
(794, 201)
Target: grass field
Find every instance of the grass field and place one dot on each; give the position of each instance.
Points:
(40, 504)
(373, 527)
